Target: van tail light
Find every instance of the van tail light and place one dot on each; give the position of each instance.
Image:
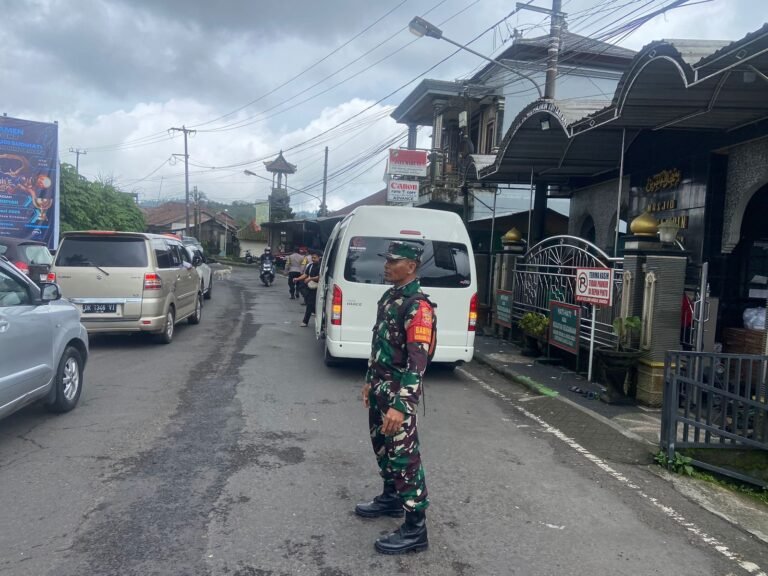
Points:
(51, 279)
(152, 282)
(22, 266)
(336, 306)
(472, 313)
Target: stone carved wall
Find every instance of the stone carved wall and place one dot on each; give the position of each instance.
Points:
(747, 173)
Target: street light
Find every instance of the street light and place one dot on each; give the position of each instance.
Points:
(421, 27)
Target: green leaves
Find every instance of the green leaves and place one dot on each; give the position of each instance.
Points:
(623, 327)
(89, 205)
(679, 465)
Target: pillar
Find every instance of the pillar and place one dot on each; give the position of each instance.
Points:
(539, 217)
(412, 136)
(656, 280)
(499, 124)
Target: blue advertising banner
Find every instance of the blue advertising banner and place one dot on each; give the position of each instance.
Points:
(29, 180)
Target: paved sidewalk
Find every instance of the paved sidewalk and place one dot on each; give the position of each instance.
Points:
(638, 423)
(628, 434)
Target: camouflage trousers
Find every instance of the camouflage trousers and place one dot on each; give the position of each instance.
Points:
(398, 455)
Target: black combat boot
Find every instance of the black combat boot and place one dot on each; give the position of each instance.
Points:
(388, 503)
(411, 536)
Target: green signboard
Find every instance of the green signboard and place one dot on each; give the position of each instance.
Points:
(504, 308)
(565, 320)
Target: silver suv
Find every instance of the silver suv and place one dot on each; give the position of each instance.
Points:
(129, 281)
(43, 346)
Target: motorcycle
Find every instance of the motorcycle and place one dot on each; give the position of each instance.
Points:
(248, 257)
(267, 273)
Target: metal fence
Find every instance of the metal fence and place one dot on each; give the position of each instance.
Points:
(548, 272)
(715, 401)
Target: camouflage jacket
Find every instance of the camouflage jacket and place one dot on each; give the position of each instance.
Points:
(399, 352)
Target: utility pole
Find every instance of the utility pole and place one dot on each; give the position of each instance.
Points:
(77, 161)
(323, 208)
(556, 21)
(555, 28)
(186, 131)
(196, 199)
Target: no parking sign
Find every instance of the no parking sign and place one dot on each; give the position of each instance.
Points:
(594, 286)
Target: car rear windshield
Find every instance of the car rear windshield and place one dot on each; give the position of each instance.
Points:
(35, 254)
(443, 264)
(110, 251)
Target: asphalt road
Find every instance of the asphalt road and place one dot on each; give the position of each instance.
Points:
(235, 451)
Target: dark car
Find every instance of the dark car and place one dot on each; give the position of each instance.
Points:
(31, 257)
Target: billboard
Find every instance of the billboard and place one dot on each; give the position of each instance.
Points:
(407, 162)
(29, 180)
(402, 191)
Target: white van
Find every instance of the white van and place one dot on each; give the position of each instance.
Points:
(352, 279)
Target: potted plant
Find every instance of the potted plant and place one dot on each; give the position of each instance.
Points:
(616, 362)
(534, 326)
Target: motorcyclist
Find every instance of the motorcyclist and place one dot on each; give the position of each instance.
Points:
(267, 276)
(267, 256)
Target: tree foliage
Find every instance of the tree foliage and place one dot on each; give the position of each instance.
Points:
(96, 205)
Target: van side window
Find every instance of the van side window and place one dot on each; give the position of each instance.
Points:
(184, 255)
(162, 253)
(333, 253)
(175, 256)
(12, 291)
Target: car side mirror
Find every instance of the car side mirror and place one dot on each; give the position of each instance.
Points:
(50, 292)
(196, 261)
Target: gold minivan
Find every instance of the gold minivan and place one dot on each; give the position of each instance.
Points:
(129, 281)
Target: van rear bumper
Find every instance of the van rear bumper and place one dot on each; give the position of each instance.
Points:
(341, 349)
(151, 324)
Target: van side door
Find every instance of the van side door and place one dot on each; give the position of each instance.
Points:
(187, 286)
(26, 340)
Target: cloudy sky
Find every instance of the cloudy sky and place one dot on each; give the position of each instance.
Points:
(256, 76)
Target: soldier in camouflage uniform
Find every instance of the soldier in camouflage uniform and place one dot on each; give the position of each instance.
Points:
(399, 356)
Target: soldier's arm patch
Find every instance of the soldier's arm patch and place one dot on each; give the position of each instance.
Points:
(419, 328)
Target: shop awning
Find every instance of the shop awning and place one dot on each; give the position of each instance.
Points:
(690, 85)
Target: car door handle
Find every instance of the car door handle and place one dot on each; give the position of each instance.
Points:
(4, 325)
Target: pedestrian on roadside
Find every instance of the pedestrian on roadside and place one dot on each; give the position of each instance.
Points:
(294, 269)
(392, 390)
(309, 280)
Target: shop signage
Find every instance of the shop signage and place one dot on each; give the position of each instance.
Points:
(564, 324)
(504, 308)
(402, 191)
(664, 180)
(594, 286)
(29, 180)
(407, 162)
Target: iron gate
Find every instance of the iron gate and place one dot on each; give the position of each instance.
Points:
(715, 401)
(548, 272)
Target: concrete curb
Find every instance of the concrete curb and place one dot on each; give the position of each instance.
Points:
(539, 388)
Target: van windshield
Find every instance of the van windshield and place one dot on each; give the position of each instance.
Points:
(114, 251)
(443, 264)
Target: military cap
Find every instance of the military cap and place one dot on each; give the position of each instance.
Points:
(403, 251)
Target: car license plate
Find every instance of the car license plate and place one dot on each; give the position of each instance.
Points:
(99, 308)
(43, 277)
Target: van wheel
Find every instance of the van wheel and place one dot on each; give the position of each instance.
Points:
(198, 314)
(68, 382)
(329, 359)
(210, 289)
(166, 336)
